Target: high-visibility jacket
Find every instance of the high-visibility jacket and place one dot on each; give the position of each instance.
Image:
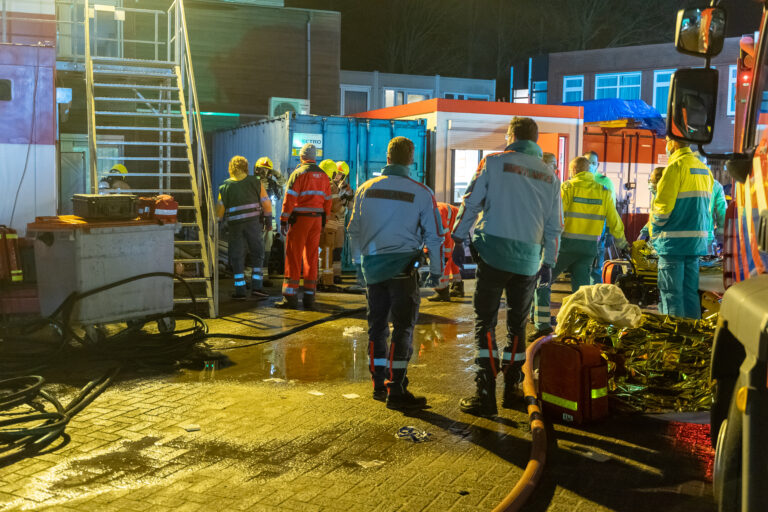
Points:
(338, 211)
(605, 181)
(392, 219)
(587, 207)
(308, 192)
(517, 199)
(717, 211)
(244, 200)
(680, 214)
(448, 214)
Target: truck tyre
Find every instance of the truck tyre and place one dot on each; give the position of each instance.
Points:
(727, 473)
(721, 402)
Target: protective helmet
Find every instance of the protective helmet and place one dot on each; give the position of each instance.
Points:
(264, 162)
(118, 168)
(329, 166)
(342, 167)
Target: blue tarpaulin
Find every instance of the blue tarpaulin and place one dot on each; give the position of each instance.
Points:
(637, 113)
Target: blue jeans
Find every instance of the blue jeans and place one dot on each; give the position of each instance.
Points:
(679, 286)
(579, 265)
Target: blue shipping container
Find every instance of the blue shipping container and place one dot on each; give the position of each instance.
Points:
(362, 143)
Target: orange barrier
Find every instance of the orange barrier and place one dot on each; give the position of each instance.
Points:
(524, 488)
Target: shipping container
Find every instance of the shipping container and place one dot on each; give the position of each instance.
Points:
(362, 143)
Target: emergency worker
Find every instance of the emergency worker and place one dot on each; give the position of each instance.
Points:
(273, 183)
(587, 208)
(551, 161)
(451, 273)
(244, 204)
(115, 179)
(393, 218)
(717, 215)
(596, 275)
(515, 199)
(680, 222)
(346, 194)
(653, 180)
(306, 207)
(333, 233)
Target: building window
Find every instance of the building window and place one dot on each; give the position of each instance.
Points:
(573, 88)
(5, 90)
(462, 96)
(625, 86)
(732, 90)
(661, 80)
(394, 97)
(355, 99)
(540, 93)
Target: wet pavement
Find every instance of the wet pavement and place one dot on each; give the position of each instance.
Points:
(290, 425)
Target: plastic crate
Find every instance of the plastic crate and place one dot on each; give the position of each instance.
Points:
(104, 207)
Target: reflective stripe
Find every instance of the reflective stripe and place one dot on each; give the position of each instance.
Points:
(599, 393)
(579, 215)
(240, 276)
(545, 315)
(683, 234)
(266, 200)
(561, 402)
(484, 353)
(694, 193)
(380, 361)
(308, 292)
(292, 192)
(242, 207)
(308, 209)
(165, 212)
(520, 356)
(662, 215)
(334, 196)
(506, 356)
(11, 236)
(240, 283)
(578, 236)
(289, 291)
(244, 216)
(695, 170)
(256, 277)
(587, 200)
(398, 365)
(312, 193)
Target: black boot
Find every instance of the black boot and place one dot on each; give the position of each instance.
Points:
(308, 299)
(513, 391)
(239, 293)
(288, 302)
(406, 401)
(483, 403)
(457, 289)
(441, 295)
(380, 392)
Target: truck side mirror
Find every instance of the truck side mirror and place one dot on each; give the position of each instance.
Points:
(692, 104)
(700, 32)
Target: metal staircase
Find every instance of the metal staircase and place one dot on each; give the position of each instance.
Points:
(147, 111)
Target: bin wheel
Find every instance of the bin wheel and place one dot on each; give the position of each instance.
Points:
(95, 333)
(166, 325)
(135, 324)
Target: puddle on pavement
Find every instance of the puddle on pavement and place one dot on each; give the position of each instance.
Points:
(334, 351)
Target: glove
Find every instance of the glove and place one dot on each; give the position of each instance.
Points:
(457, 255)
(544, 276)
(283, 227)
(267, 221)
(432, 281)
(459, 241)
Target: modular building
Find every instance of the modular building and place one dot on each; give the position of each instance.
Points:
(462, 132)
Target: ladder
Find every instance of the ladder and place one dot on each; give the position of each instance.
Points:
(139, 117)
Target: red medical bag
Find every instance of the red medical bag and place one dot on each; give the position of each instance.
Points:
(10, 261)
(573, 381)
(166, 209)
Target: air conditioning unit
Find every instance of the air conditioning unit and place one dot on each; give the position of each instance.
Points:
(279, 106)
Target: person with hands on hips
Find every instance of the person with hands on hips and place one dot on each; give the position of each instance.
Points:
(515, 199)
(393, 218)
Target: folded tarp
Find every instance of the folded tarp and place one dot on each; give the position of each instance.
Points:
(616, 113)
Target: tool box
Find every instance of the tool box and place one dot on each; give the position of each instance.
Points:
(104, 207)
(573, 381)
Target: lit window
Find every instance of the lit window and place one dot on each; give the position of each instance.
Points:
(625, 86)
(573, 88)
(732, 90)
(661, 80)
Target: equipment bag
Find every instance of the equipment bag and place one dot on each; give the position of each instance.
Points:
(276, 262)
(10, 261)
(613, 270)
(166, 209)
(573, 382)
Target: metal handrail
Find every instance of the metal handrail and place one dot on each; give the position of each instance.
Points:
(204, 182)
(90, 104)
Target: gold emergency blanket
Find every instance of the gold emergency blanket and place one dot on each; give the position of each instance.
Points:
(660, 366)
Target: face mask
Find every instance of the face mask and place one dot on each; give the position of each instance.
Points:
(652, 188)
(593, 168)
(669, 149)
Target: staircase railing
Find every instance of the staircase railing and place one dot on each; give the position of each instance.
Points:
(179, 40)
(90, 103)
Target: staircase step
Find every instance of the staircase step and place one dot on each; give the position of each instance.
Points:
(187, 242)
(141, 128)
(122, 71)
(134, 100)
(114, 61)
(135, 191)
(136, 86)
(136, 114)
(194, 280)
(157, 174)
(188, 260)
(144, 158)
(139, 143)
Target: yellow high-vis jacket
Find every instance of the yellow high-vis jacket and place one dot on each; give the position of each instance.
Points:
(587, 207)
(680, 214)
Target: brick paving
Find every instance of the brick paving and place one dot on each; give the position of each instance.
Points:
(294, 442)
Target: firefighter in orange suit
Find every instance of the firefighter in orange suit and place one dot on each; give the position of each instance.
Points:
(306, 206)
(451, 273)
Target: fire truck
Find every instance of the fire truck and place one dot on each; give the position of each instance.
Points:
(739, 365)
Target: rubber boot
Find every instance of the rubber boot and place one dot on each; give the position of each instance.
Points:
(308, 300)
(240, 293)
(483, 403)
(288, 302)
(513, 392)
(441, 295)
(406, 401)
(457, 289)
